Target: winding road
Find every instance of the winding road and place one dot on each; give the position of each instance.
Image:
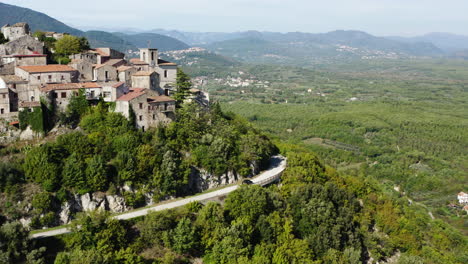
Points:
(272, 174)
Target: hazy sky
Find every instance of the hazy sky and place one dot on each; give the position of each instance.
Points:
(379, 17)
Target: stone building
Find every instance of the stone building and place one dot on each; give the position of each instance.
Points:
(60, 93)
(147, 80)
(8, 99)
(150, 109)
(168, 74)
(105, 54)
(22, 45)
(139, 64)
(25, 59)
(16, 31)
(85, 69)
(125, 74)
(104, 73)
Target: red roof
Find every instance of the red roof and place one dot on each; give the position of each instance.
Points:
(132, 94)
(47, 68)
(138, 61)
(14, 123)
(143, 73)
(69, 86)
(161, 98)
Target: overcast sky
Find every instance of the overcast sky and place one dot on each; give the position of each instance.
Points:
(378, 17)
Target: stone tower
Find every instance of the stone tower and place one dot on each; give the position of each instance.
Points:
(16, 31)
(149, 56)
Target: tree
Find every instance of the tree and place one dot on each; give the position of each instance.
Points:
(184, 240)
(74, 174)
(3, 39)
(68, 45)
(77, 107)
(96, 173)
(183, 85)
(14, 242)
(43, 165)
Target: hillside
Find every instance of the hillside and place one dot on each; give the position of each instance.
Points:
(10, 14)
(163, 43)
(105, 39)
(448, 42)
(307, 49)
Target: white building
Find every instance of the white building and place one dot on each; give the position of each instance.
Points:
(463, 198)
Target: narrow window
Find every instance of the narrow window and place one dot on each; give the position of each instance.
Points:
(64, 95)
(4, 96)
(2, 111)
(107, 74)
(165, 73)
(141, 105)
(39, 77)
(154, 117)
(152, 56)
(62, 77)
(50, 77)
(140, 118)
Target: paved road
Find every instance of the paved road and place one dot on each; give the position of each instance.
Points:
(277, 166)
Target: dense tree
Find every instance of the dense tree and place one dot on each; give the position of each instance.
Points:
(183, 85)
(3, 39)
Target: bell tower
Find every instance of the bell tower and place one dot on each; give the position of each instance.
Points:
(149, 56)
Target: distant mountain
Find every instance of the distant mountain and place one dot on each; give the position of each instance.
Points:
(163, 43)
(198, 38)
(306, 48)
(10, 14)
(448, 42)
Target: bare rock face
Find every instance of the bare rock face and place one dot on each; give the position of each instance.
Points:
(25, 222)
(87, 204)
(116, 203)
(27, 134)
(202, 180)
(64, 214)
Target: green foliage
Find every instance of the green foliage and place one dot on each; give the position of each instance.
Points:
(76, 108)
(69, 45)
(10, 175)
(183, 85)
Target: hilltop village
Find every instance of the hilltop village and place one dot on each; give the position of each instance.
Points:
(144, 85)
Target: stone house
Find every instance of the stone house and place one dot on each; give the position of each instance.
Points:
(84, 67)
(125, 74)
(60, 93)
(90, 56)
(25, 60)
(16, 31)
(139, 64)
(150, 109)
(168, 74)
(22, 45)
(147, 80)
(104, 73)
(105, 54)
(8, 99)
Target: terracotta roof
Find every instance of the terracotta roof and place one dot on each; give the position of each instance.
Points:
(112, 62)
(47, 68)
(69, 86)
(29, 104)
(124, 68)
(14, 123)
(462, 194)
(143, 73)
(132, 94)
(166, 63)
(138, 61)
(12, 79)
(161, 98)
(101, 52)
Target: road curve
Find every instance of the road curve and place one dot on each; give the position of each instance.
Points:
(277, 166)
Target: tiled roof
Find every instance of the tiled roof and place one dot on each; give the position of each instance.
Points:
(124, 68)
(47, 68)
(166, 63)
(161, 98)
(113, 62)
(101, 52)
(143, 73)
(138, 62)
(132, 94)
(69, 86)
(29, 104)
(12, 79)
(118, 84)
